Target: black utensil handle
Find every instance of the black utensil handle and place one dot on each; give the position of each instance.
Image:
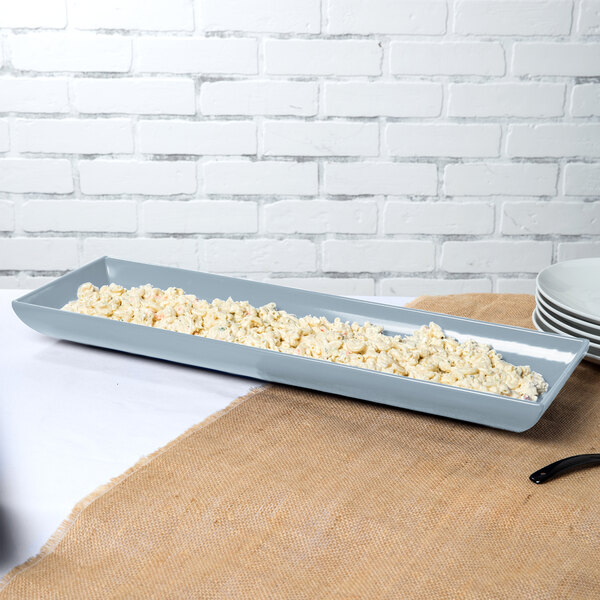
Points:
(562, 466)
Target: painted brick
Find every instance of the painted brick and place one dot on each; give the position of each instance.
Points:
(163, 251)
(79, 215)
(585, 100)
(33, 14)
(329, 138)
(515, 286)
(151, 96)
(447, 139)
(194, 137)
(328, 285)
(588, 21)
(495, 256)
(265, 177)
(4, 136)
(554, 139)
(444, 218)
(76, 136)
(7, 215)
(137, 177)
(553, 58)
(489, 179)
(41, 254)
(34, 94)
(199, 216)
(582, 179)
(196, 55)
(417, 286)
(321, 216)
(33, 282)
(501, 17)
(573, 250)
(447, 58)
(506, 99)
(9, 282)
(380, 178)
(386, 16)
(259, 98)
(70, 52)
(22, 175)
(322, 57)
(258, 255)
(277, 16)
(566, 218)
(161, 15)
(377, 256)
(374, 99)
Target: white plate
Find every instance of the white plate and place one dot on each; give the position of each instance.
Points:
(558, 329)
(538, 325)
(574, 286)
(563, 317)
(555, 320)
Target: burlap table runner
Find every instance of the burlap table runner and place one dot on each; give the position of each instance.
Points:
(294, 494)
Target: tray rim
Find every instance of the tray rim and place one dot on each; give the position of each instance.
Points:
(541, 403)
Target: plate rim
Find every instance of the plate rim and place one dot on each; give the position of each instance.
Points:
(553, 330)
(547, 314)
(587, 356)
(595, 318)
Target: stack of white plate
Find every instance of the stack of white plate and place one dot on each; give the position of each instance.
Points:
(567, 298)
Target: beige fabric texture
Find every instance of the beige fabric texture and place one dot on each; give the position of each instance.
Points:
(290, 493)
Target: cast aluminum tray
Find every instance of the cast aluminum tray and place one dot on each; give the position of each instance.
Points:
(554, 356)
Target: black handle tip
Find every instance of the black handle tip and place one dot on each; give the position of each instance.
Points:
(563, 466)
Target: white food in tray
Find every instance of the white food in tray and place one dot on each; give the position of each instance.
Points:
(427, 354)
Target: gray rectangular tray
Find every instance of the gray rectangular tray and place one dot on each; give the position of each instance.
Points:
(554, 356)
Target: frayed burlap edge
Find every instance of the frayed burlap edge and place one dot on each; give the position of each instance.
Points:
(66, 525)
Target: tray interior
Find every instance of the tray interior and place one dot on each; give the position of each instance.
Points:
(546, 353)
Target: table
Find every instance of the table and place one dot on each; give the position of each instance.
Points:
(73, 416)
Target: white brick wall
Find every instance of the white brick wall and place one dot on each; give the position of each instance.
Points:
(585, 101)
(70, 52)
(380, 178)
(374, 99)
(72, 136)
(277, 16)
(322, 57)
(345, 256)
(192, 55)
(537, 100)
(386, 16)
(455, 140)
(79, 215)
(144, 96)
(349, 146)
(582, 179)
(199, 216)
(502, 17)
(450, 58)
(251, 256)
(33, 13)
(260, 178)
(496, 257)
(159, 15)
(150, 178)
(321, 216)
(272, 98)
(34, 95)
(300, 138)
(185, 137)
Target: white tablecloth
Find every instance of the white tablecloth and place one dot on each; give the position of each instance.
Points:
(72, 417)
